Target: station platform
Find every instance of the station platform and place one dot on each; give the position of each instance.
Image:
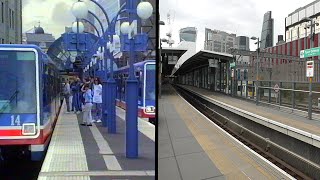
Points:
(90, 153)
(191, 147)
(293, 119)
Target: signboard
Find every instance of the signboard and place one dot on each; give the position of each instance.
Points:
(276, 88)
(213, 63)
(232, 64)
(310, 68)
(310, 52)
(172, 60)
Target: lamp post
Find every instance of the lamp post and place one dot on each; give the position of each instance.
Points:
(257, 80)
(160, 60)
(144, 11)
(109, 85)
(312, 28)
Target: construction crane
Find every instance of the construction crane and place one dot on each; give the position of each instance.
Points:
(169, 34)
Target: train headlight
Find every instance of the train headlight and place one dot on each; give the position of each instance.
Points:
(150, 109)
(28, 129)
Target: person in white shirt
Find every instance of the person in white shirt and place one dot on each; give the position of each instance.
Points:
(97, 100)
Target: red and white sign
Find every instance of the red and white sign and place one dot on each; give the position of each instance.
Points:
(310, 68)
(276, 88)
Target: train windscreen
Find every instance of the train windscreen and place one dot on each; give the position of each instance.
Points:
(150, 82)
(17, 82)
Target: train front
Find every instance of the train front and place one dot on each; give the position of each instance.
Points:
(150, 91)
(19, 100)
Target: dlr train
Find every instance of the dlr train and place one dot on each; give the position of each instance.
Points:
(145, 72)
(29, 100)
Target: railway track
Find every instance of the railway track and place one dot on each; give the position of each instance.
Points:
(229, 126)
(19, 169)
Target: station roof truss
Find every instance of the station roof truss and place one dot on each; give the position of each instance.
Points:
(201, 58)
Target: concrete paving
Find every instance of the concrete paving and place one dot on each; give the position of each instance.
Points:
(89, 152)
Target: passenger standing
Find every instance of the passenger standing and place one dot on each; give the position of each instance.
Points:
(66, 94)
(71, 95)
(73, 91)
(97, 100)
(87, 95)
(76, 88)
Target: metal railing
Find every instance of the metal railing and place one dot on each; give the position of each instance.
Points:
(293, 99)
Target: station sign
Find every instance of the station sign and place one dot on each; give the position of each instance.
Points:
(233, 64)
(213, 63)
(310, 52)
(310, 68)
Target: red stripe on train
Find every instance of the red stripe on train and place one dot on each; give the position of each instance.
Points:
(141, 112)
(11, 132)
(39, 140)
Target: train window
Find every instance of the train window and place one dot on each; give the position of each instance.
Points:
(18, 95)
(150, 78)
(26, 56)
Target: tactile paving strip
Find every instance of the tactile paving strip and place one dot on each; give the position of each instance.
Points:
(66, 151)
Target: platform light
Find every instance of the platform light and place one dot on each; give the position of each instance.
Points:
(79, 10)
(144, 10)
(124, 28)
(72, 59)
(74, 27)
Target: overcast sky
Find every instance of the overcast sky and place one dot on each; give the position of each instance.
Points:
(53, 15)
(243, 17)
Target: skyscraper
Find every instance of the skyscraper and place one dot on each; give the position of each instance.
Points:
(242, 43)
(188, 34)
(267, 31)
(10, 22)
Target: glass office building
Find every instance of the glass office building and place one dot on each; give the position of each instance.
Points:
(267, 31)
(242, 43)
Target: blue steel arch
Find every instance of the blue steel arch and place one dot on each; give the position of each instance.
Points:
(59, 53)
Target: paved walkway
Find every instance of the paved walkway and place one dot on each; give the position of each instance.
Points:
(90, 153)
(193, 148)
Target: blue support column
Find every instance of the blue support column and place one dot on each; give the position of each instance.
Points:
(132, 99)
(111, 118)
(105, 105)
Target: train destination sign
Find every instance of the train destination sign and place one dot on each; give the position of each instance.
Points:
(310, 52)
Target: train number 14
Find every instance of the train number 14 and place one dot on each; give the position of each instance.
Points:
(15, 120)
